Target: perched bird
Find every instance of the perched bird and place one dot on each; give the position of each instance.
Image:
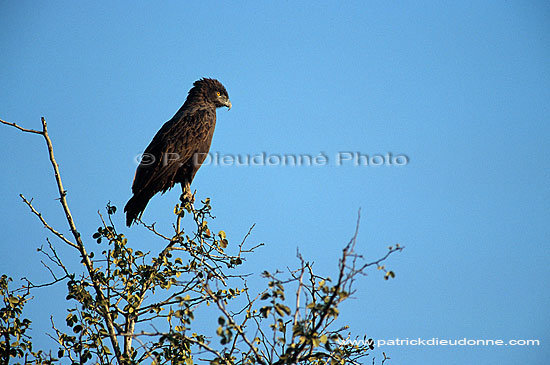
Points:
(179, 148)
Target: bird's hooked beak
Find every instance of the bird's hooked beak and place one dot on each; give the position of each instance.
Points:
(228, 104)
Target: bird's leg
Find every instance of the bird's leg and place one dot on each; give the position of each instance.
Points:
(186, 196)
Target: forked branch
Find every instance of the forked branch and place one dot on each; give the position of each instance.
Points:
(79, 243)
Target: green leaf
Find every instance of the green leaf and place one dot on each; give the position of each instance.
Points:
(264, 311)
(282, 309)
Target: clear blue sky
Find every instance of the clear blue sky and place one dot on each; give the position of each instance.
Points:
(461, 88)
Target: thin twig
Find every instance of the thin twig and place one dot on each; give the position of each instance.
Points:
(46, 225)
(232, 322)
(298, 292)
(21, 128)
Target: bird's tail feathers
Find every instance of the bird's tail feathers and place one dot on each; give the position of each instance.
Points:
(135, 207)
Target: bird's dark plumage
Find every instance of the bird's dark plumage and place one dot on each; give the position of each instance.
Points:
(179, 148)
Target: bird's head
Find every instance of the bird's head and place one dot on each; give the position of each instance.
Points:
(213, 91)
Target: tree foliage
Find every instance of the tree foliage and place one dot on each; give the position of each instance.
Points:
(127, 306)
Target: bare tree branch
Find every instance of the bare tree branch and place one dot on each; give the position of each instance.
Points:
(21, 128)
(50, 228)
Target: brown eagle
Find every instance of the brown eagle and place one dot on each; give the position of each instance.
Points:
(179, 148)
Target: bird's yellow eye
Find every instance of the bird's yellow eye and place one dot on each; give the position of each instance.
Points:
(218, 93)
